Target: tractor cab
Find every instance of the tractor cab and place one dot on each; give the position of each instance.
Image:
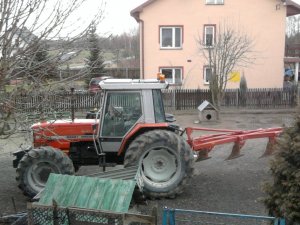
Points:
(129, 107)
(129, 102)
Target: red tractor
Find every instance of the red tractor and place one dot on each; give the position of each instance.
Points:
(130, 129)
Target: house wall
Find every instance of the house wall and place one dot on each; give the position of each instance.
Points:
(259, 19)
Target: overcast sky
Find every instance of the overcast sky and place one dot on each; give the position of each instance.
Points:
(117, 17)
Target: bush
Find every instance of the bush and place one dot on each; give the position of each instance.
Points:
(283, 193)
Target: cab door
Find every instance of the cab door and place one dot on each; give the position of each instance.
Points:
(122, 110)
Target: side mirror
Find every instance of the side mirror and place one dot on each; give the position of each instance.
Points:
(170, 118)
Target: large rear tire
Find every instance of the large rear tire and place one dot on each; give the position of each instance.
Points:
(165, 160)
(35, 167)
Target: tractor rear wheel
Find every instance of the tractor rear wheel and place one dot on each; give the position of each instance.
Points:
(165, 161)
(35, 167)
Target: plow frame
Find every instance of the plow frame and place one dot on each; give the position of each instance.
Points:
(205, 143)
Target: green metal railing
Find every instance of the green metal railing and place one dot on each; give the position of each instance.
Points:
(186, 217)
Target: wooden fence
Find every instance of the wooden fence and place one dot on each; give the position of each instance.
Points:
(253, 98)
(59, 101)
(173, 99)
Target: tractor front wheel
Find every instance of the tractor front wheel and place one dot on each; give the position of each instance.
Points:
(165, 161)
(35, 167)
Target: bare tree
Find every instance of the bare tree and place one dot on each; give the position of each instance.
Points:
(229, 49)
(292, 40)
(25, 28)
(292, 26)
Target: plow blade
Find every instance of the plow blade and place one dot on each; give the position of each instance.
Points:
(270, 147)
(202, 155)
(236, 150)
(202, 145)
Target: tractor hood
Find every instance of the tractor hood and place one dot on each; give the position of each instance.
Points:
(60, 133)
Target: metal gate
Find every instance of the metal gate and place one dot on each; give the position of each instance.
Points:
(191, 217)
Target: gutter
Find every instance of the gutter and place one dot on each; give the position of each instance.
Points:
(136, 15)
(142, 50)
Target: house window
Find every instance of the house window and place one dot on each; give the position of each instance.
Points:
(214, 2)
(207, 74)
(209, 35)
(172, 75)
(170, 37)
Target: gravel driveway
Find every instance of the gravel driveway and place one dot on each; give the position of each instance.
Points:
(218, 185)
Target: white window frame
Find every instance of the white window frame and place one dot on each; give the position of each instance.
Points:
(214, 2)
(213, 37)
(204, 74)
(173, 37)
(173, 74)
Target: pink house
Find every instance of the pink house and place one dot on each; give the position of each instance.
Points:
(170, 31)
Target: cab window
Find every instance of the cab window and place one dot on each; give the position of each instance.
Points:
(122, 111)
(158, 105)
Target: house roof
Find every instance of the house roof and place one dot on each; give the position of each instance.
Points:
(206, 105)
(292, 8)
(136, 12)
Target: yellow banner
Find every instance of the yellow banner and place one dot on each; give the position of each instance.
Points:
(235, 76)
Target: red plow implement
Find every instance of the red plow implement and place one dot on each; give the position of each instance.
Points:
(205, 143)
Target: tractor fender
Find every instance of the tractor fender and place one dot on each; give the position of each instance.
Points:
(141, 128)
(19, 155)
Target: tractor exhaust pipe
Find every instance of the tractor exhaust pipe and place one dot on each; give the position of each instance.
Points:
(72, 104)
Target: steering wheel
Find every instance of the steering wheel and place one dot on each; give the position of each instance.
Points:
(114, 111)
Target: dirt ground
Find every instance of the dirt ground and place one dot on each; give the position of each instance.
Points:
(225, 186)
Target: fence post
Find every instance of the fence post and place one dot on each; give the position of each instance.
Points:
(177, 100)
(165, 216)
(40, 107)
(154, 215)
(168, 216)
(55, 213)
(279, 221)
(237, 97)
(172, 217)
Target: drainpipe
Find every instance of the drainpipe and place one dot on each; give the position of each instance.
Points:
(296, 81)
(136, 15)
(142, 51)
